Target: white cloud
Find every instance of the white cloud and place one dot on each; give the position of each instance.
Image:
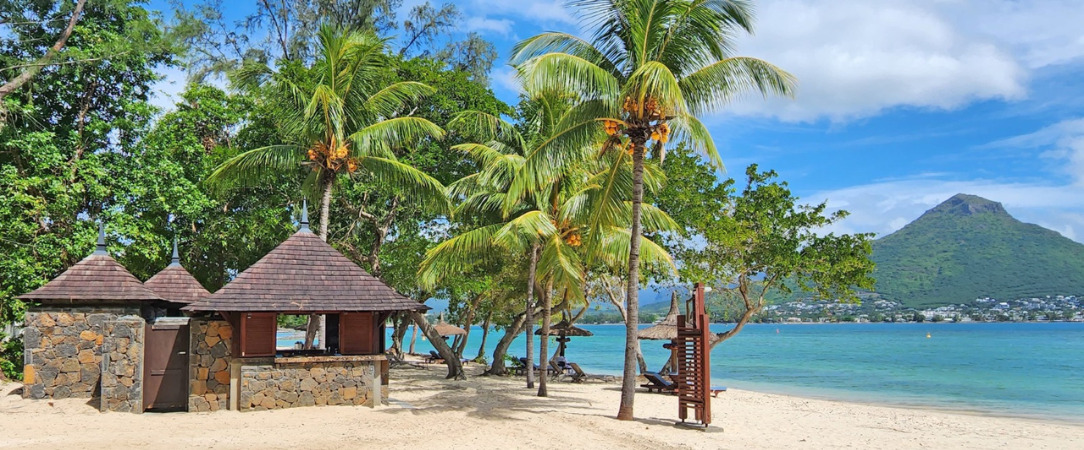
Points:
(858, 59)
(484, 24)
(505, 77)
(1063, 142)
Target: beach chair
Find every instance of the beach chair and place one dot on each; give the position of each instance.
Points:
(715, 390)
(555, 370)
(433, 357)
(657, 383)
(519, 365)
(578, 375)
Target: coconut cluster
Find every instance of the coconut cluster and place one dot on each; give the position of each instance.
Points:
(333, 155)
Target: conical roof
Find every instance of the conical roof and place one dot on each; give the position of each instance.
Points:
(97, 278)
(175, 284)
(305, 275)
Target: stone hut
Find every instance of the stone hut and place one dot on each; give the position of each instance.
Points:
(84, 334)
(235, 358)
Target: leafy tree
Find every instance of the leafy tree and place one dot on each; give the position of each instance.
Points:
(651, 65)
(750, 244)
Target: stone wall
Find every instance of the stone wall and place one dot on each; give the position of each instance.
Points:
(209, 364)
(122, 365)
(269, 383)
(63, 354)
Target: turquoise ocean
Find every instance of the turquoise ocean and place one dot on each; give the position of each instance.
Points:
(1016, 369)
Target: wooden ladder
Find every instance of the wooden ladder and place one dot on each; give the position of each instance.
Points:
(693, 376)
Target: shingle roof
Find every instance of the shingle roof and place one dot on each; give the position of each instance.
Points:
(96, 278)
(175, 284)
(305, 275)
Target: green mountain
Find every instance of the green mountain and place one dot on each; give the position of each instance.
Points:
(969, 247)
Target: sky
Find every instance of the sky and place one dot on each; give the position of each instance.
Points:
(900, 104)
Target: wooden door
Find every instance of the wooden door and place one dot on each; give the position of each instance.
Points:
(165, 365)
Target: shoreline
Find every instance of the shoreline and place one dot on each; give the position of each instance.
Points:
(425, 409)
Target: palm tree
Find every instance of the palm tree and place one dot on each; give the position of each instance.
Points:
(550, 220)
(650, 68)
(341, 118)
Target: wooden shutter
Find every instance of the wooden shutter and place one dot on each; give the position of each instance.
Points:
(357, 334)
(258, 334)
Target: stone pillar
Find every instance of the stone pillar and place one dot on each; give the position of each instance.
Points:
(209, 364)
(122, 365)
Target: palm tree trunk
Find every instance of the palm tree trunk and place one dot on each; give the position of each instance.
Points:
(530, 316)
(632, 297)
(316, 323)
(544, 360)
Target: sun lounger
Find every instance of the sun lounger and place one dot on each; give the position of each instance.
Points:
(433, 357)
(657, 383)
(578, 375)
(715, 390)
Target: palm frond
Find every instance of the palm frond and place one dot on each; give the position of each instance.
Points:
(252, 167)
(716, 85)
(407, 181)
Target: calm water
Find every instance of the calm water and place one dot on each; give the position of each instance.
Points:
(1028, 369)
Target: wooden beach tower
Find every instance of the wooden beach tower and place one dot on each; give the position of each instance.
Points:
(693, 358)
(303, 275)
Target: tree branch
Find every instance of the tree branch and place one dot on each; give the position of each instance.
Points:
(28, 74)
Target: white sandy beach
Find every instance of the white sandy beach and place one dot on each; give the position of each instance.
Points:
(427, 411)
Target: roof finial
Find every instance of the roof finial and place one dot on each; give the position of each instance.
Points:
(176, 257)
(100, 249)
(304, 214)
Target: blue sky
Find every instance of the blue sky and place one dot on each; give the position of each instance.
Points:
(901, 104)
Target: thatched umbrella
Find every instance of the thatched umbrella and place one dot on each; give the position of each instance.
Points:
(446, 329)
(563, 330)
(666, 329)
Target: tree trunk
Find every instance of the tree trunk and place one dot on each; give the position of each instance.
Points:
(413, 338)
(529, 311)
(543, 351)
(455, 368)
(632, 297)
(485, 335)
(510, 333)
(316, 323)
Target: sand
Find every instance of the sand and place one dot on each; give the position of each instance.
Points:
(427, 411)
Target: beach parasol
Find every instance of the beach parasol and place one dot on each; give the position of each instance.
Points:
(446, 329)
(563, 330)
(665, 329)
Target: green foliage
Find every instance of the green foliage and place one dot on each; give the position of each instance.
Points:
(11, 358)
(969, 247)
(760, 241)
